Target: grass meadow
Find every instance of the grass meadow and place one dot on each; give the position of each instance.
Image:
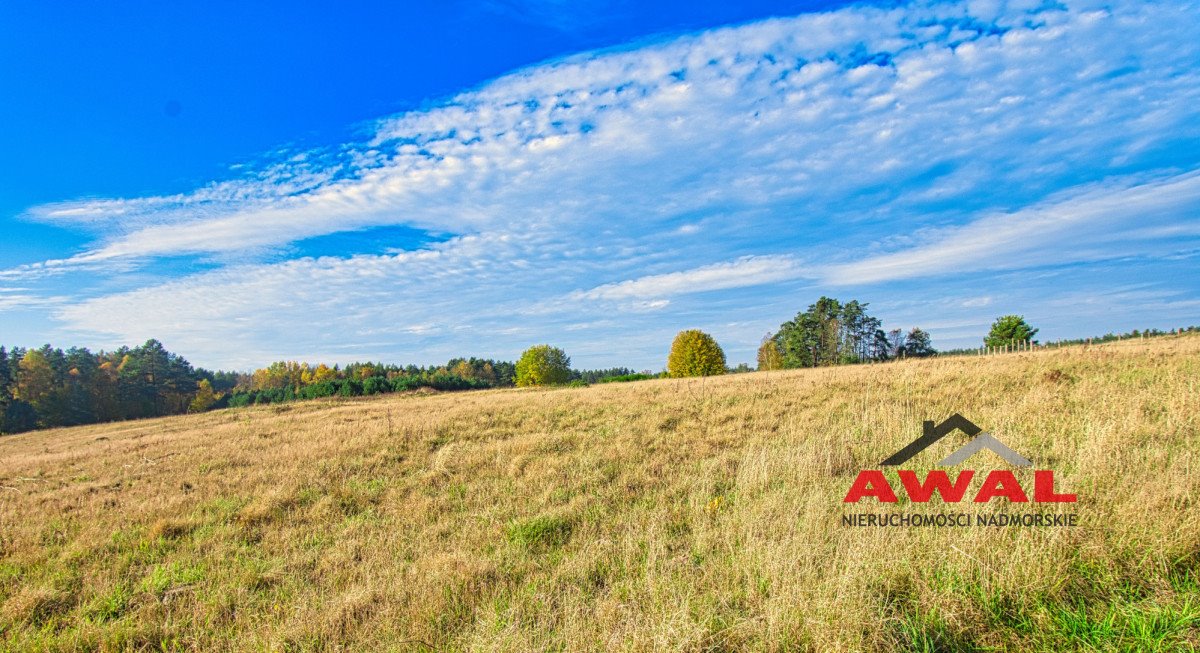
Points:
(662, 515)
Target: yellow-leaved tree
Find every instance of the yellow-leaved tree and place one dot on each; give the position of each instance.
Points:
(204, 399)
(770, 357)
(463, 369)
(695, 353)
(322, 372)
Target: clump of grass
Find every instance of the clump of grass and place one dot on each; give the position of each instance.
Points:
(171, 528)
(108, 606)
(540, 533)
(171, 576)
(34, 606)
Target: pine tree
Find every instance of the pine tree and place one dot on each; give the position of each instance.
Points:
(918, 344)
(5, 376)
(5, 395)
(1008, 330)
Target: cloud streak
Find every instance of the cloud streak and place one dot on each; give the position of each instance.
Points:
(1098, 223)
(748, 271)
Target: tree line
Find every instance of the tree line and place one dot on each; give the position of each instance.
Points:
(1013, 328)
(289, 380)
(48, 387)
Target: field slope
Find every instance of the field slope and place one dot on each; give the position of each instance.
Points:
(696, 515)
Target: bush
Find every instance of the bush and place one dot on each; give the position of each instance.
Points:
(543, 365)
(374, 385)
(319, 389)
(624, 378)
(695, 353)
(444, 381)
(403, 383)
(350, 388)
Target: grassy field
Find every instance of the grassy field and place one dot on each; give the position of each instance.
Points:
(691, 515)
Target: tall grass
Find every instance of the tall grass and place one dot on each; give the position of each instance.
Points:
(691, 515)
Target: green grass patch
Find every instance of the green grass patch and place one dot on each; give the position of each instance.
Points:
(164, 577)
(540, 533)
(1142, 626)
(110, 605)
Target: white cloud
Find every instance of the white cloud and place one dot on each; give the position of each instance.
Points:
(788, 112)
(14, 302)
(871, 143)
(976, 302)
(747, 271)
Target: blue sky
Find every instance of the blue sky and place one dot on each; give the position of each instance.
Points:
(413, 183)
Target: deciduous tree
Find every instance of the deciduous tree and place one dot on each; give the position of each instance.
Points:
(770, 357)
(543, 365)
(204, 399)
(695, 353)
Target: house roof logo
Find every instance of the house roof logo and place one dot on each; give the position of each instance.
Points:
(981, 440)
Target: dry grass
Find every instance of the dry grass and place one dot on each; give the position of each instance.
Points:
(695, 515)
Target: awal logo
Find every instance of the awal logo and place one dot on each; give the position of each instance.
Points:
(980, 441)
(998, 483)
